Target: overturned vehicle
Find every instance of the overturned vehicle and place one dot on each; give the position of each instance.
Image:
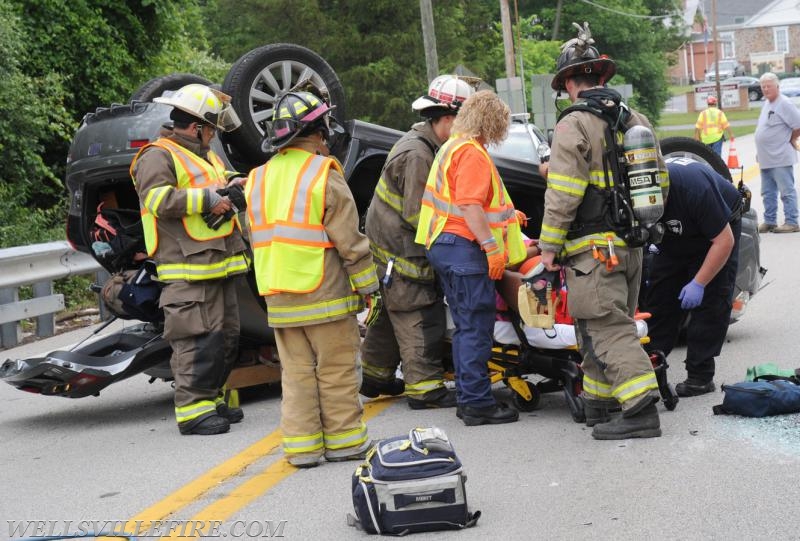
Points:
(103, 206)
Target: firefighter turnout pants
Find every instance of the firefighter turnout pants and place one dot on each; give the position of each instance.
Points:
(706, 332)
(321, 412)
(602, 302)
(201, 323)
(410, 330)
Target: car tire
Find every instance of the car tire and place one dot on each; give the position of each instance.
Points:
(688, 147)
(754, 95)
(155, 88)
(256, 80)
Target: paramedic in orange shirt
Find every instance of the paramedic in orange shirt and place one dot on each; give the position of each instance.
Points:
(471, 232)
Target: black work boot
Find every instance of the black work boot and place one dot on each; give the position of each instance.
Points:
(694, 387)
(233, 415)
(205, 426)
(640, 421)
(372, 388)
(598, 411)
(441, 398)
(489, 415)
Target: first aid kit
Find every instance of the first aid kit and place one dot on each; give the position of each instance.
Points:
(412, 483)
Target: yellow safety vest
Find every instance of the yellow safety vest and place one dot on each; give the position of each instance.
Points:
(286, 203)
(710, 125)
(194, 175)
(437, 205)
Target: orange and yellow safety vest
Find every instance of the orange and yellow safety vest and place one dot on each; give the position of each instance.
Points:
(437, 205)
(286, 199)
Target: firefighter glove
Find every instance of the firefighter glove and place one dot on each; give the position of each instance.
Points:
(235, 193)
(496, 259)
(691, 295)
(374, 302)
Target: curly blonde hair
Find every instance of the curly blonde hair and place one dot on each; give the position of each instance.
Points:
(483, 116)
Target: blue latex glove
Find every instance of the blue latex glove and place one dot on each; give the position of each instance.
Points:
(691, 295)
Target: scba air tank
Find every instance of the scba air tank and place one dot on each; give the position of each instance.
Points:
(641, 159)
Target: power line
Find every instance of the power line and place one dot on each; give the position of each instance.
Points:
(626, 14)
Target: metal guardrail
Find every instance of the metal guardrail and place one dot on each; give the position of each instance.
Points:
(37, 265)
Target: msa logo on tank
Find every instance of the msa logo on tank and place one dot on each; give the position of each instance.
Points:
(642, 167)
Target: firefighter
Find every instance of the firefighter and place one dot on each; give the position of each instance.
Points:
(471, 231)
(711, 125)
(576, 228)
(177, 178)
(694, 269)
(411, 327)
(315, 270)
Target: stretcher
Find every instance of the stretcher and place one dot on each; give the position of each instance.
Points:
(533, 361)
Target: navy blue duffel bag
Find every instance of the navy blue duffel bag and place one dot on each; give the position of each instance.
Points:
(409, 484)
(759, 398)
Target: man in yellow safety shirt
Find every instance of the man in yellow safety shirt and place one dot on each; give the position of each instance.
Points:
(711, 125)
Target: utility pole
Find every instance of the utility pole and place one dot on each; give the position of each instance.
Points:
(508, 40)
(557, 20)
(429, 39)
(717, 52)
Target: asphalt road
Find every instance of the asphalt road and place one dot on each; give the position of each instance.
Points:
(119, 457)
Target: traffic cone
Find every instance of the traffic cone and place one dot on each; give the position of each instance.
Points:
(733, 157)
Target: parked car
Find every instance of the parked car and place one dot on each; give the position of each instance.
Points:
(790, 86)
(727, 68)
(752, 84)
(108, 139)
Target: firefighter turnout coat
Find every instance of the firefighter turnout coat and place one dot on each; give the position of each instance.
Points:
(412, 327)
(174, 177)
(313, 267)
(602, 298)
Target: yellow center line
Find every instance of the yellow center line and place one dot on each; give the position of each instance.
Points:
(242, 495)
(224, 508)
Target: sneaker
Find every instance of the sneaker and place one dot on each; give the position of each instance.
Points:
(643, 424)
(495, 414)
(206, 426)
(767, 228)
(693, 387)
(446, 399)
(372, 388)
(233, 415)
(787, 228)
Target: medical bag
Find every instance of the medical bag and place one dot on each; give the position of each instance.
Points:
(759, 398)
(412, 483)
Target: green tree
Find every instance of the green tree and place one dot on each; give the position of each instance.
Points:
(637, 34)
(33, 116)
(375, 46)
(63, 59)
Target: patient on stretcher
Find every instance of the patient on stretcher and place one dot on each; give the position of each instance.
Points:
(562, 333)
(560, 336)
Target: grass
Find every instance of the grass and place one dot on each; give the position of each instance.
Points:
(688, 119)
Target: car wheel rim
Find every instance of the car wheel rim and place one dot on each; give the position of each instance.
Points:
(273, 81)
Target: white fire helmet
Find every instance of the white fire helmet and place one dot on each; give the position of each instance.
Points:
(206, 104)
(446, 95)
